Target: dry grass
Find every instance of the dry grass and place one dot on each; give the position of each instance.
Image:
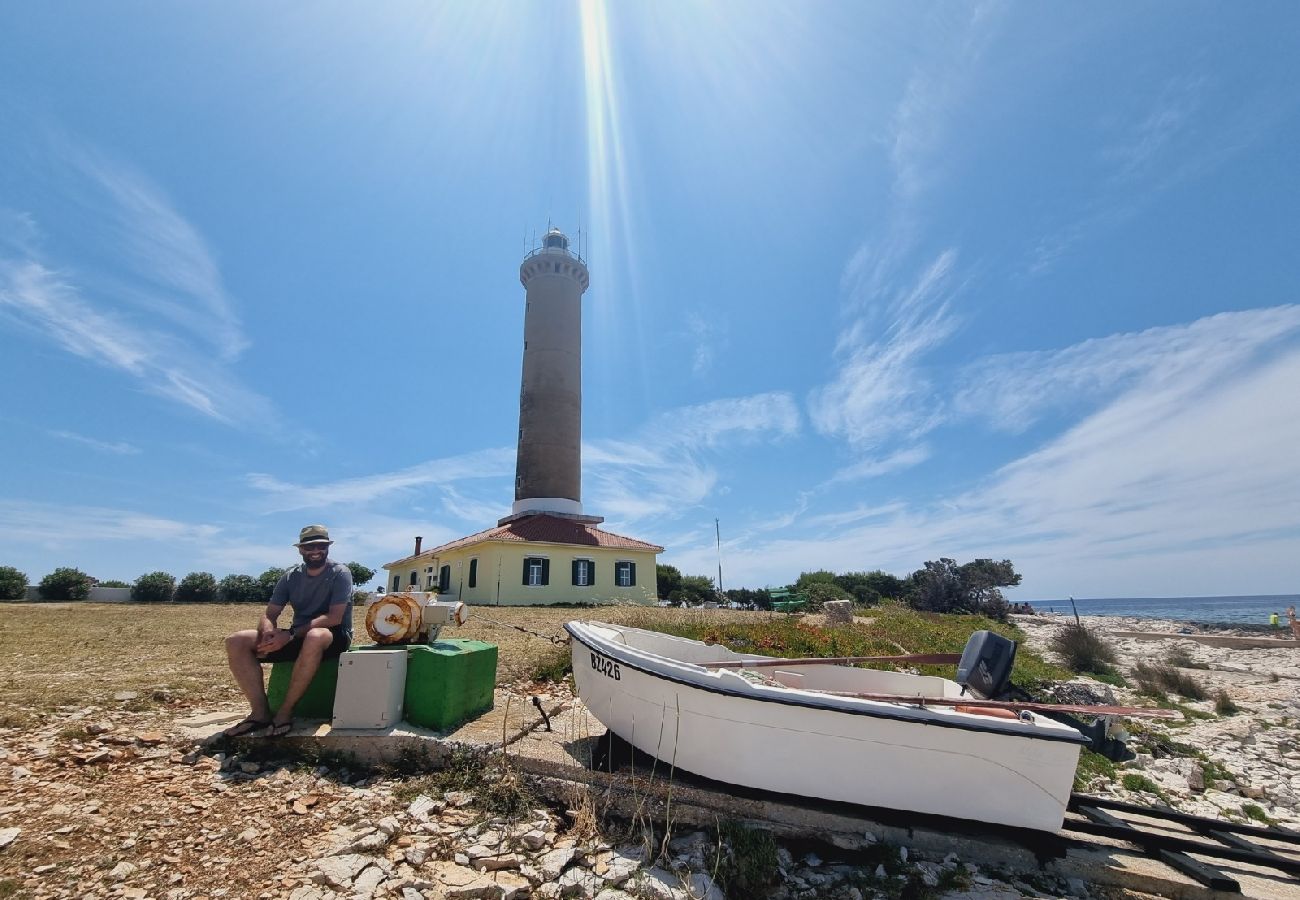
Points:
(79, 654)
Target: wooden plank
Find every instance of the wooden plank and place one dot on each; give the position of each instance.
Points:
(918, 659)
(1136, 711)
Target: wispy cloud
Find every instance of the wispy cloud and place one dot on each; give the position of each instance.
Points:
(1014, 390)
(1178, 466)
(143, 295)
(50, 523)
(881, 389)
(874, 467)
(671, 465)
(707, 339)
(1172, 135)
(121, 448)
(172, 272)
(281, 496)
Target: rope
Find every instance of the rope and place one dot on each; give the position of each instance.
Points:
(562, 642)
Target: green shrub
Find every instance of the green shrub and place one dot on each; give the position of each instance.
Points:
(819, 593)
(1136, 782)
(1256, 812)
(113, 583)
(156, 587)
(239, 589)
(267, 582)
(66, 584)
(197, 587)
(13, 584)
(1083, 651)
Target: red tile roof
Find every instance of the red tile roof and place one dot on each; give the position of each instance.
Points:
(543, 529)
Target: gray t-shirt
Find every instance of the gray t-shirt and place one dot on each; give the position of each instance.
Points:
(313, 595)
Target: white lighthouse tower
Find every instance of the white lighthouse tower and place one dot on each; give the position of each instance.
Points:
(548, 468)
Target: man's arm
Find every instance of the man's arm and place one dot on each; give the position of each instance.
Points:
(267, 630)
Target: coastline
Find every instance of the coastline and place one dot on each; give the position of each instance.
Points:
(1254, 754)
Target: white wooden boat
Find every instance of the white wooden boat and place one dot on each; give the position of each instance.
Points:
(783, 732)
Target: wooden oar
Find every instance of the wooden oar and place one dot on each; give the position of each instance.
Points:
(920, 659)
(1012, 704)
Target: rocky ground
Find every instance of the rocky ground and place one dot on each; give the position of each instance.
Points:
(1254, 753)
(110, 802)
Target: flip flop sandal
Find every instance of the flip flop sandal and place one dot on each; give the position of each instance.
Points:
(279, 729)
(246, 727)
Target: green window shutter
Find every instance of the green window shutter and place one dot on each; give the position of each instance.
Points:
(631, 573)
(591, 573)
(575, 571)
(527, 560)
(546, 571)
(444, 579)
(473, 573)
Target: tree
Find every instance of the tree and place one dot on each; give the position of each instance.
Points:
(697, 589)
(821, 576)
(113, 583)
(267, 582)
(982, 581)
(13, 584)
(155, 587)
(239, 589)
(667, 580)
(944, 586)
(936, 588)
(759, 599)
(360, 574)
(869, 588)
(197, 587)
(66, 584)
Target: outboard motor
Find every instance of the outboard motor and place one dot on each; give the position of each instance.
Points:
(985, 670)
(985, 667)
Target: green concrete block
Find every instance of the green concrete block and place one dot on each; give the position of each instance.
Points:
(318, 702)
(448, 682)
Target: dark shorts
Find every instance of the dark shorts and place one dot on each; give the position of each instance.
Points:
(289, 652)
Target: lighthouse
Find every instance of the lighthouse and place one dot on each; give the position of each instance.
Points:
(547, 550)
(548, 467)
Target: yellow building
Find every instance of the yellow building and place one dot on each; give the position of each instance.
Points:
(537, 559)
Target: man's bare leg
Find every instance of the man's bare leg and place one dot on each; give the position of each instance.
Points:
(241, 653)
(314, 645)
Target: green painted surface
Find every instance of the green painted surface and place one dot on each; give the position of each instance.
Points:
(318, 702)
(448, 682)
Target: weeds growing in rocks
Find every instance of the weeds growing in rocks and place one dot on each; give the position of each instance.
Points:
(1160, 680)
(1224, 705)
(1180, 657)
(1092, 765)
(1256, 812)
(745, 860)
(1084, 651)
(496, 786)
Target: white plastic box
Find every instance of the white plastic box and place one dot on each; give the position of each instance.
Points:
(370, 688)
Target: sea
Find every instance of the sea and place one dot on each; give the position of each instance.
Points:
(1250, 610)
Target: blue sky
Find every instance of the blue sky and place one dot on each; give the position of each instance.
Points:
(871, 283)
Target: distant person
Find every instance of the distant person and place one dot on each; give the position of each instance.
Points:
(1272, 620)
(320, 592)
(1293, 622)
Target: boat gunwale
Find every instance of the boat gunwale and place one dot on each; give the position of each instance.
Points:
(876, 709)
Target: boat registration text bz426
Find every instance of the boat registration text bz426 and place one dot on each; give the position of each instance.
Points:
(605, 666)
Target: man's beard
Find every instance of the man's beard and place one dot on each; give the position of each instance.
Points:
(315, 558)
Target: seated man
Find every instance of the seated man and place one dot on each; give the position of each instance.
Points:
(320, 592)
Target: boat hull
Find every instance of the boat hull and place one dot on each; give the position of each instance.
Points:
(897, 756)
